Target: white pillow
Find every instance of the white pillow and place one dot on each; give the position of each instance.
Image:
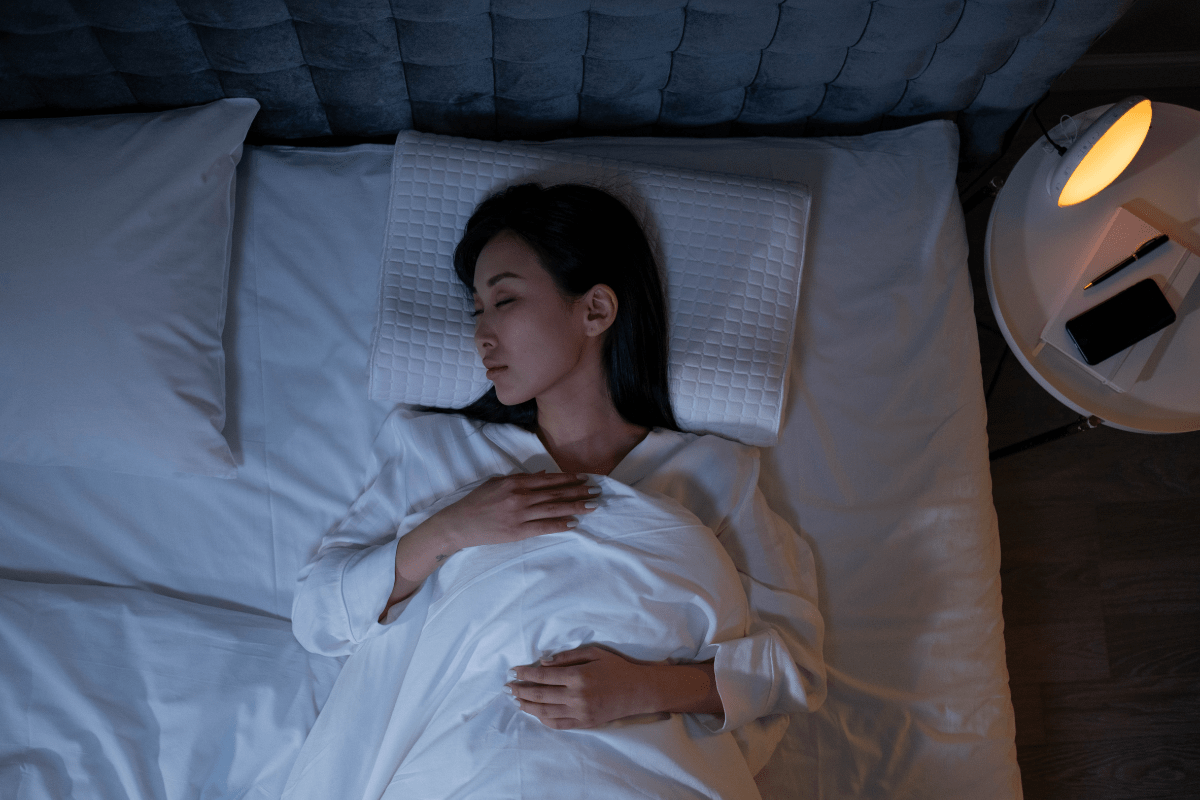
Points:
(732, 248)
(116, 235)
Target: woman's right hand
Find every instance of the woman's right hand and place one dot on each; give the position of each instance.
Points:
(513, 507)
(501, 509)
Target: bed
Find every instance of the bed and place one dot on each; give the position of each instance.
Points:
(147, 578)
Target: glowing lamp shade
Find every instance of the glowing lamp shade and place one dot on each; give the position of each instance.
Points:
(1102, 152)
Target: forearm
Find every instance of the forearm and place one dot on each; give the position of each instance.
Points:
(418, 553)
(684, 689)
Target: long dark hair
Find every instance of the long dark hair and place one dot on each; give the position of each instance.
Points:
(583, 236)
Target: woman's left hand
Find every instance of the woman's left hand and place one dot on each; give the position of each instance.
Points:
(584, 688)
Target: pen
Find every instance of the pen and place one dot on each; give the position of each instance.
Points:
(1141, 252)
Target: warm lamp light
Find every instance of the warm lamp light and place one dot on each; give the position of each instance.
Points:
(1101, 153)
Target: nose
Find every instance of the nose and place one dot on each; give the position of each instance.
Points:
(484, 338)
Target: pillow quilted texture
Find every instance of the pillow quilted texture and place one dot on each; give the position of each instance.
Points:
(117, 234)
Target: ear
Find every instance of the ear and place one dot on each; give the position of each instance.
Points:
(599, 308)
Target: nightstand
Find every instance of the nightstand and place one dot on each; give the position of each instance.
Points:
(1034, 249)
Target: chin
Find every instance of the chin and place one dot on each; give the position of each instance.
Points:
(509, 398)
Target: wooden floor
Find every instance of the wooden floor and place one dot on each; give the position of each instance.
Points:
(1100, 541)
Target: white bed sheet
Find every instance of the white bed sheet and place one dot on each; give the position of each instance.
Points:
(218, 705)
(882, 462)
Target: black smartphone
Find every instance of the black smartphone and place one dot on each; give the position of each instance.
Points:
(1120, 321)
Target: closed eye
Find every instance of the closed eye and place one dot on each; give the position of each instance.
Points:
(479, 311)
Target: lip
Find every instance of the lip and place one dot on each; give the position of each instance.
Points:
(493, 370)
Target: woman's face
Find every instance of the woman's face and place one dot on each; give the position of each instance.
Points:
(532, 340)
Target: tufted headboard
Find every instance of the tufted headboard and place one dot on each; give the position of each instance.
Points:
(538, 69)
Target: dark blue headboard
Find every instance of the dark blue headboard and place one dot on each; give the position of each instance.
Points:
(549, 68)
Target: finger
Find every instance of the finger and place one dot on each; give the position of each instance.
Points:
(549, 715)
(580, 655)
(533, 673)
(542, 480)
(572, 491)
(548, 710)
(566, 494)
(562, 724)
(557, 510)
(569, 504)
(540, 527)
(539, 693)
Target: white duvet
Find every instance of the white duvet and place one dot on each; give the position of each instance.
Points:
(419, 710)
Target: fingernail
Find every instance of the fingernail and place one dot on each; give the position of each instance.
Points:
(591, 505)
(508, 688)
(512, 674)
(571, 523)
(582, 476)
(593, 490)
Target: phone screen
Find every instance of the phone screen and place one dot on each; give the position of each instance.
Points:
(1120, 321)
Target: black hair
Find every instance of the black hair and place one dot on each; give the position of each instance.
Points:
(583, 236)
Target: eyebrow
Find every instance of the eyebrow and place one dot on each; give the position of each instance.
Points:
(492, 281)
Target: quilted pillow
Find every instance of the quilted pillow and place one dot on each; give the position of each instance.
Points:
(117, 234)
(732, 249)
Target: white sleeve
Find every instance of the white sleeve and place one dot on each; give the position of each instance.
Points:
(341, 592)
(779, 668)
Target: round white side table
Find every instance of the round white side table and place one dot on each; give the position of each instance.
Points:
(1034, 248)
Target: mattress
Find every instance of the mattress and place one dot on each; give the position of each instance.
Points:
(881, 466)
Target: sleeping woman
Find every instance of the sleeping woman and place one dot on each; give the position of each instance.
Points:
(554, 592)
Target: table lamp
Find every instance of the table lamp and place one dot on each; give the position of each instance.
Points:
(1101, 153)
